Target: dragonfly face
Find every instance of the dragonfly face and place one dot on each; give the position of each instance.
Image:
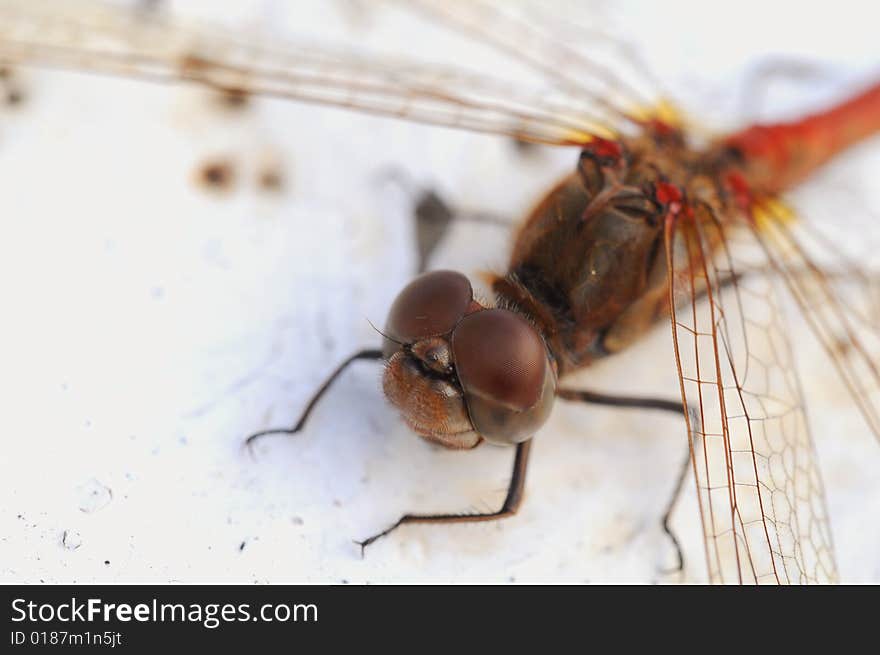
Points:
(460, 372)
(760, 496)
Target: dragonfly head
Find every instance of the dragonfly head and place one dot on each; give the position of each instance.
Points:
(460, 372)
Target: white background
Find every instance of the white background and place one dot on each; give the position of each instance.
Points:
(149, 325)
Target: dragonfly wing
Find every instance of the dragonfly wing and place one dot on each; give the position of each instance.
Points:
(581, 59)
(90, 36)
(760, 492)
(841, 307)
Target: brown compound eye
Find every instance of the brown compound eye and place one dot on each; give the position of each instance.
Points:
(505, 372)
(429, 306)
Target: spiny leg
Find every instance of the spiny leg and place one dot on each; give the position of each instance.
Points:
(509, 508)
(369, 354)
(640, 402)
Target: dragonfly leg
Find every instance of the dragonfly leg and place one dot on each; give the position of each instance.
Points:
(511, 502)
(433, 215)
(369, 354)
(670, 507)
(640, 402)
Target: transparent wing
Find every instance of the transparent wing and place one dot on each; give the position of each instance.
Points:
(91, 36)
(759, 488)
(841, 309)
(583, 59)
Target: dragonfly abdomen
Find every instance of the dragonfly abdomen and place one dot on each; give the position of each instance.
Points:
(778, 156)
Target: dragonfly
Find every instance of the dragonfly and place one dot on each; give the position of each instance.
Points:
(657, 222)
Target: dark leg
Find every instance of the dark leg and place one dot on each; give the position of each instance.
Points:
(509, 508)
(670, 507)
(434, 216)
(663, 404)
(638, 402)
(372, 354)
(486, 218)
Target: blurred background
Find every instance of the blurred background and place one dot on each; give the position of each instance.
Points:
(180, 270)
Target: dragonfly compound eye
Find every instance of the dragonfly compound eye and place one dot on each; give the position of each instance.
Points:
(504, 369)
(429, 306)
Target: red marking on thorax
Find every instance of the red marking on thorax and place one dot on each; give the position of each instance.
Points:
(667, 193)
(659, 127)
(739, 188)
(605, 149)
(671, 197)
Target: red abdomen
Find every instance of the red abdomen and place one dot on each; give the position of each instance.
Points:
(780, 155)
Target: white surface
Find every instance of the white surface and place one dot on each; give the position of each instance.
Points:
(150, 325)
